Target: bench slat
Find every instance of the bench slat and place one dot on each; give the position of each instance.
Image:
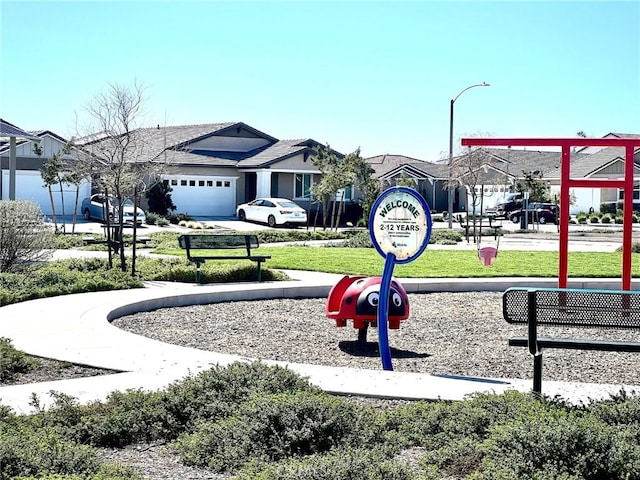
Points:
(578, 344)
(575, 308)
(201, 242)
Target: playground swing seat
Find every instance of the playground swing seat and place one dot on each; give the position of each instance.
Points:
(488, 252)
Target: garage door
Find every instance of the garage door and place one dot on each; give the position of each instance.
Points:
(201, 196)
(29, 187)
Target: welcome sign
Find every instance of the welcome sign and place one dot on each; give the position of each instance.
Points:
(400, 224)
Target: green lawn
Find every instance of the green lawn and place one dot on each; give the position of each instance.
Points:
(443, 263)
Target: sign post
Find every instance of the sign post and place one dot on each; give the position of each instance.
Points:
(400, 228)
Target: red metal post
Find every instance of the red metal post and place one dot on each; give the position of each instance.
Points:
(563, 259)
(627, 227)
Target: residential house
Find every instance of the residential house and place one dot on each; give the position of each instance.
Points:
(29, 184)
(211, 168)
(427, 178)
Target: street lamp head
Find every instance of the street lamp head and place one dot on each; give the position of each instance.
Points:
(485, 84)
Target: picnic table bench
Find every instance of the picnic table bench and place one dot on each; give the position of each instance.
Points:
(495, 226)
(565, 307)
(196, 242)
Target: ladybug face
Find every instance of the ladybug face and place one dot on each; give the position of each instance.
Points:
(357, 298)
(367, 302)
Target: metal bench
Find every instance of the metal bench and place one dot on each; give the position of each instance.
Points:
(565, 307)
(198, 242)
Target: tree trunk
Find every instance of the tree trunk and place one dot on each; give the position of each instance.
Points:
(53, 209)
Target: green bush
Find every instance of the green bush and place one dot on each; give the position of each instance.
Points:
(606, 218)
(445, 237)
(594, 218)
(562, 445)
(13, 362)
(152, 218)
(105, 472)
(26, 452)
(271, 428)
(176, 218)
(608, 207)
(338, 464)
(215, 393)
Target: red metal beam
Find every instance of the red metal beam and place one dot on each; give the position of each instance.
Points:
(551, 142)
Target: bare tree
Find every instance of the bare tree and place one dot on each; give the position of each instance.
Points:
(24, 235)
(472, 171)
(117, 151)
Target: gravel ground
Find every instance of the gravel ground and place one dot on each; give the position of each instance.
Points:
(49, 370)
(447, 333)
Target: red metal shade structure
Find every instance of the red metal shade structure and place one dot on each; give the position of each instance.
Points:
(566, 182)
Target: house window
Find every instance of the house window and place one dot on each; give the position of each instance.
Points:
(302, 188)
(227, 184)
(347, 192)
(209, 183)
(183, 183)
(201, 183)
(192, 183)
(636, 194)
(174, 183)
(218, 183)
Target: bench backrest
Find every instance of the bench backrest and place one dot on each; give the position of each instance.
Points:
(219, 241)
(573, 307)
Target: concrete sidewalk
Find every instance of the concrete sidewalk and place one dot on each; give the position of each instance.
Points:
(76, 328)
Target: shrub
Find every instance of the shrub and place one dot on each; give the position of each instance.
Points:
(594, 218)
(13, 362)
(606, 218)
(105, 472)
(562, 445)
(177, 218)
(608, 207)
(24, 236)
(162, 222)
(159, 199)
(152, 218)
(445, 237)
(271, 428)
(215, 393)
(339, 464)
(26, 452)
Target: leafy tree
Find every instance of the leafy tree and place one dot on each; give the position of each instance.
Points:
(56, 170)
(339, 174)
(533, 183)
(159, 198)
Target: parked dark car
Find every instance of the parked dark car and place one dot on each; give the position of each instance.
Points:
(513, 201)
(537, 213)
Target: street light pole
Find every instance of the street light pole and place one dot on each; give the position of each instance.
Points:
(450, 186)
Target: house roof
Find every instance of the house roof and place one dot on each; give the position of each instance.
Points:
(158, 139)
(10, 130)
(586, 165)
(173, 144)
(31, 135)
(279, 151)
(386, 165)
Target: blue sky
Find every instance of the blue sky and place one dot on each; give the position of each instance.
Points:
(376, 75)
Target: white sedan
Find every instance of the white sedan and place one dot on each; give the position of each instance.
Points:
(272, 211)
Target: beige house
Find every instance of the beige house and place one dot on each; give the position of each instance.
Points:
(214, 167)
